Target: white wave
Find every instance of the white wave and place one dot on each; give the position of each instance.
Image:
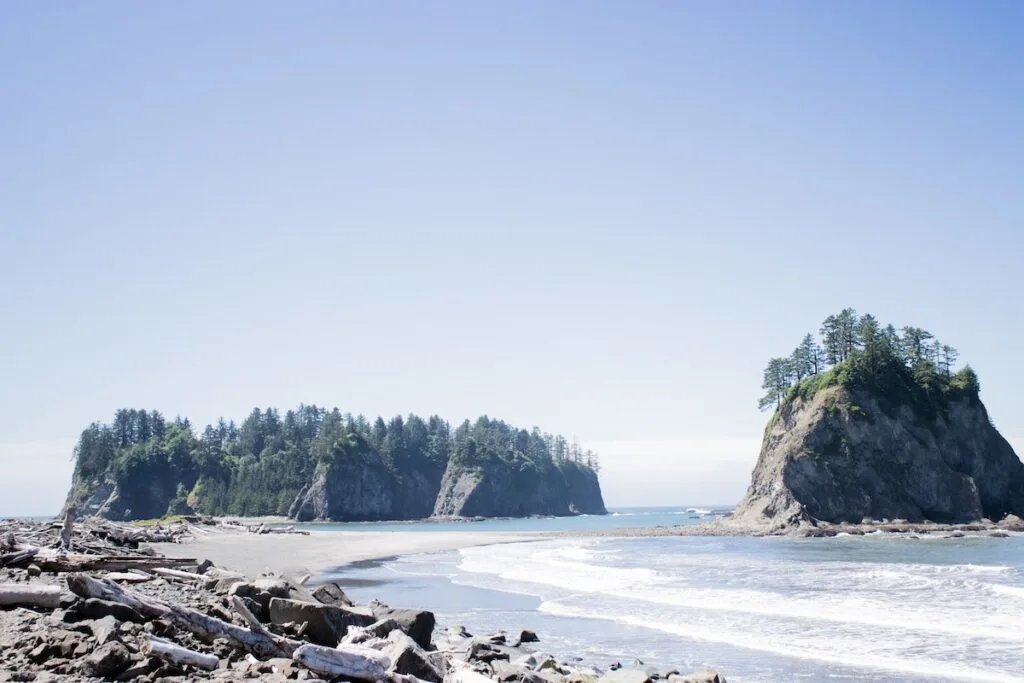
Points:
(698, 511)
(1014, 591)
(919, 667)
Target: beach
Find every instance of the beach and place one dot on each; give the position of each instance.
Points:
(318, 552)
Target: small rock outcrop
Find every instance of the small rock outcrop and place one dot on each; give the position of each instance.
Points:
(844, 455)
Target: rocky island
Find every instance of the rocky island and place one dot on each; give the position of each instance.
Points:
(317, 464)
(874, 424)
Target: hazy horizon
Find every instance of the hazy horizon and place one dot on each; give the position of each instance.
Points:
(600, 220)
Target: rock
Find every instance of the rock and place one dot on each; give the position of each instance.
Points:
(220, 580)
(955, 534)
(1012, 523)
(280, 665)
(376, 630)
(34, 570)
(261, 591)
(417, 624)
(528, 636)
(135, 670)
(407, 657)
(699, 677)
(204, 566)
(848, 454)
(97, 609)
(107, 661)
(498, 638)
(484, 651)
(328, 624)
(332, 594)
(625, 676)
(103, 629)
(999, 534)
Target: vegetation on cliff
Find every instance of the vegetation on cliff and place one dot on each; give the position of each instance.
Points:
(906, 367)
(259, 467)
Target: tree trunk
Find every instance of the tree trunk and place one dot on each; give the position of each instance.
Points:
(175, 654)
(65, 532)
(350, 661)
(205, 627)
(22, 595)
(110, 563)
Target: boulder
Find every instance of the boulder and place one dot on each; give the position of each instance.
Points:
(417, 624)
(220, 580)
(107, 661)
(94, 608)
(625, 676)
(328, 624)
(332, 594)
(378, 629)
(708, 676)
(103, 629)
(407, 657)
(261, 592)
(528, 636)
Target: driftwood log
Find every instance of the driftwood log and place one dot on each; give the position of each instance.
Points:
(110, 563)
(18, 558)
(176, 654)
(177, 574)
(350, 661)
(68, 528)
(22, 595)
(203, 626)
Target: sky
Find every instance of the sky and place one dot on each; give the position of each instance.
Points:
(597, 218)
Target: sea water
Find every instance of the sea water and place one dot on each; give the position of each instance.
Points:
(873, 608)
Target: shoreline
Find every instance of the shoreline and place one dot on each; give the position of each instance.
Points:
(323, 552)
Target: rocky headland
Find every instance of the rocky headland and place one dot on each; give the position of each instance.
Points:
(318, 465)
(888, 432)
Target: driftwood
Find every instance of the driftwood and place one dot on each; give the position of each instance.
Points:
(254, 623)
(68, 529)
(176, 654)
(264, 529)
(350, 661)
(203, 626)
(177, 574)
(464, 674)
(110, 563)
(22, 595)
(128, 577)
(18, 558)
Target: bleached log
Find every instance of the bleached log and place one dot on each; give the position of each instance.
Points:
(110, 563)
(203, 626)
(176, 654)
(353, 661)
(22, 595)
(178, 574)
(128, 577)
(250, 618)
(67, 529)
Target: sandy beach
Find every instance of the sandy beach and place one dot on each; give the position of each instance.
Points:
(320, 551)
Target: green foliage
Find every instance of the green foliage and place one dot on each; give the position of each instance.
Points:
(258, 467)
(913, 369)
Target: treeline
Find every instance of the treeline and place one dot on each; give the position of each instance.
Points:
(258, 467)
(857, 350)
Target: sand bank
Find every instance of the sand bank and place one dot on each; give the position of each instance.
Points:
(323, 550)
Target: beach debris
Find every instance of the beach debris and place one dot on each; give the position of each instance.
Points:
(97, 603)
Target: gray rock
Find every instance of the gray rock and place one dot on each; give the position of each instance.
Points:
(844, 455)
(417, 624)
(528, 636)
(625, 676)
(97, 609)
(332, 594)
(709, 676)
(328, 624)
(107, 661)
(104, 629)
(376, 630)
(409, 658)
(34, 570)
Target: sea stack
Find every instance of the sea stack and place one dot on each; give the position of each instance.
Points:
(885, 433)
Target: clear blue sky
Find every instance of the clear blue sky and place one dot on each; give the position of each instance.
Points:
(599, 218)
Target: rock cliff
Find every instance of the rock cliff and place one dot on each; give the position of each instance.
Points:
(497, 490)
(843, 455)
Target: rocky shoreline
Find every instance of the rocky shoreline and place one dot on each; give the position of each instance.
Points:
(95, 602)
(810, 528)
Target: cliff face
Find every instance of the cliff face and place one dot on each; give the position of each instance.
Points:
(366, 489)
(498, 490)
(845, 455)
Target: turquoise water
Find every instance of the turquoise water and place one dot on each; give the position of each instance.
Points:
(765, 610)
(617, 518)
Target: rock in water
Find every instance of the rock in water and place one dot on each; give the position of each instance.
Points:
(845, 454)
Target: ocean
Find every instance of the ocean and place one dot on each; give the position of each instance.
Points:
(764, 610)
